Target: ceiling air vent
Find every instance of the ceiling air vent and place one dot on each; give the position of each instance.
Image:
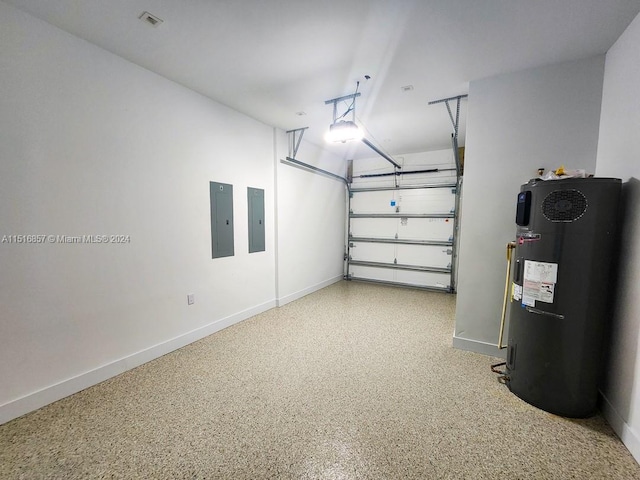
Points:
(150, 19)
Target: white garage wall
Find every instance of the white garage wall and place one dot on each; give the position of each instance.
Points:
(311, 221)
(619, 156)
(91, 144)
(543, 117)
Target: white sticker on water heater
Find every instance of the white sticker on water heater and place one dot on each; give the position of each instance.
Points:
(540, 271)
(546, 292)
(516, 292)
(530, 293)
(539, 283)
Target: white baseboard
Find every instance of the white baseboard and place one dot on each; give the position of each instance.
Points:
(314, 288)
(477, 346)
(627, 434)
(33, 401)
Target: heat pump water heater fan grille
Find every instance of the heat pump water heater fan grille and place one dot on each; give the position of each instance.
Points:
(564, 205)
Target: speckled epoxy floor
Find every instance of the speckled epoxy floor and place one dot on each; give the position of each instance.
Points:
(354, 381)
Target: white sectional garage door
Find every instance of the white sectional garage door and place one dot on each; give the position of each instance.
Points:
(402, 227)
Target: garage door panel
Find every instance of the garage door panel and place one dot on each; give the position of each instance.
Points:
(424, 256)
(373, 252)
(408, 201)
(372, 273)
(417, 279)
(429, 201)
(428, 279)
(425, 228)
(372, 202)
(440, 229)
(374, 227)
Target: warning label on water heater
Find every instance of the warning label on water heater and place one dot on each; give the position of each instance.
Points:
(539, 283)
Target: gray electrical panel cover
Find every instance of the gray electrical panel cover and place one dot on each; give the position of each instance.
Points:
(255, 198)
(221, 219)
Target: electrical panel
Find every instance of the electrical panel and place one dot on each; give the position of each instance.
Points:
(255, 200)
(221, 196)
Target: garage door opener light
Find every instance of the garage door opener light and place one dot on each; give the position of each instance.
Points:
(341, 129)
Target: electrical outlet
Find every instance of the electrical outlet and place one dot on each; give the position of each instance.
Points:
(191, 299)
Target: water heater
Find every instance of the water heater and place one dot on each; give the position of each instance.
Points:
(560, 292)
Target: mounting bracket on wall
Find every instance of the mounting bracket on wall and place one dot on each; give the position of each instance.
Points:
(295, 137)
(455, 122)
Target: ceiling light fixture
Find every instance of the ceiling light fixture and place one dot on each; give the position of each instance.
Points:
(346, 130)
(342, 130)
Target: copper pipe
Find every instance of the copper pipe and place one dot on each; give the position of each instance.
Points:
(510, 247)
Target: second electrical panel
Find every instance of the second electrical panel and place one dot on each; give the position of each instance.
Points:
(255, 199)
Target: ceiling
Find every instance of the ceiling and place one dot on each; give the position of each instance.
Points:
(279, 60)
